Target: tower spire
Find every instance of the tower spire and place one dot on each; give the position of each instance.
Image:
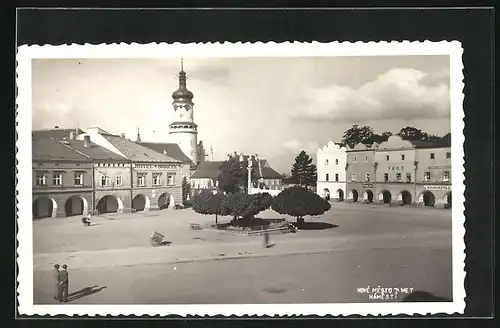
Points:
(138, 135)
(182, 65)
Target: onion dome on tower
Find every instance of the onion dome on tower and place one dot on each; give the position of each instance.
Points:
(182, 94)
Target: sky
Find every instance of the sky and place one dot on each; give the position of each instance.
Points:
(273, 107)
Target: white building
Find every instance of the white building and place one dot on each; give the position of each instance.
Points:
(331, 162)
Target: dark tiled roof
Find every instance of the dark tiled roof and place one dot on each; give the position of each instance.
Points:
(207, 170)
(57, 134)
(49, 149)
(136, 152)
(95, 151)
(211, 170)
(173, 150)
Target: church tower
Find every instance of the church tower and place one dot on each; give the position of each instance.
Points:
(183, 130)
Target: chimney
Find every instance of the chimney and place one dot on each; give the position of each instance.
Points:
(72, 135)
(86, 141)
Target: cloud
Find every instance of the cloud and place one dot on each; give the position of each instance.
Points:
(397, 94)
(296, 146)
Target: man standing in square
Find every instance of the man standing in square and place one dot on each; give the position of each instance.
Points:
(63, 284)
(56, 278)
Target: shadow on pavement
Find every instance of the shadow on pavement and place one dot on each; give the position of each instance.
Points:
(165, 243)
(316, 226)
(421, 296)
(85, 292)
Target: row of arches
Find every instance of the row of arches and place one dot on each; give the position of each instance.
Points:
(44, 206)
(427, 198)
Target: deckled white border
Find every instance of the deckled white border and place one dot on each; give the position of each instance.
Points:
(259, 49)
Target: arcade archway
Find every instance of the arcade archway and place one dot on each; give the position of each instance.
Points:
(164, 200)
(385, 196)
(428, 198)
(368, 196)
(76, 205)
(140, 203)
(109, 204)
(406, 197)
(340, 195)
(355, 195)
(326, 193)
(44, 207)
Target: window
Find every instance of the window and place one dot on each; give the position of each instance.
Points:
(141, 180)
(156, 179)
(446, 176)
(402, 157)
(336, 177)
(119, 180)
(41, 179)
(366, 159)
(171, 179)
(327, 178)
(367, 177)
(386, 157)
(398, 177)
(57, 180)
(353, 177)
(427, 176)
(408, 177)
(386, 177)
(432, 155)
(79, 179)
(326, 162)
(105, 181)
(354, 159)
(336, 161)
(448, 155)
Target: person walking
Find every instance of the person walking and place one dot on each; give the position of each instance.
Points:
(266, 239)
(63, 284)
(56, 278)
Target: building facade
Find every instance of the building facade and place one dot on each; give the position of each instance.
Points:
(331, 171)
(155, 178)
(433, 172)
(62, 180)
(361, 174)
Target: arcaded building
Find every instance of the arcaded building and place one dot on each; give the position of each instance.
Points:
(62, 180)
(331, 171)
(361, 176)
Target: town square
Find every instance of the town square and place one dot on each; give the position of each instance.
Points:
(186, 179)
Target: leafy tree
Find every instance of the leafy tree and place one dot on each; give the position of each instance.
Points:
(264, 200)
(357, 134)
(299, 202)
(241, 205)
(411, 133)
(303, 171)
(208, 203)
(186, 189)
(233, 175)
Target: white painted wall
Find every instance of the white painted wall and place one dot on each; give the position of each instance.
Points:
(331, 159)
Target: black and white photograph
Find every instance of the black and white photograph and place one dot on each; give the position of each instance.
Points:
(211, 178)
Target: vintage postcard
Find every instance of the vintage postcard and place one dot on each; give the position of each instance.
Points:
(241, 179)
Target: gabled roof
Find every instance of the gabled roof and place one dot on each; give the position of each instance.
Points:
(95, 151)
(211, 170)
(57, 134)
(49, 149)
(207, 170)
(172, 149)
(136, 152)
